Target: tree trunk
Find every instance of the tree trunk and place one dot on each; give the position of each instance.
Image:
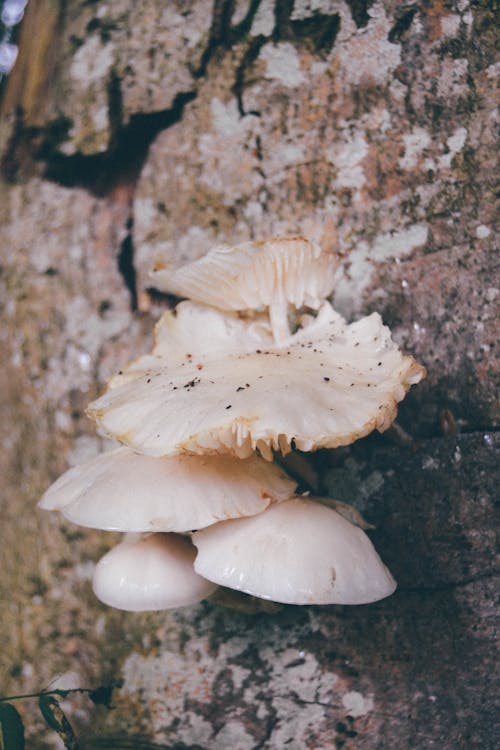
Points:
(132, 131)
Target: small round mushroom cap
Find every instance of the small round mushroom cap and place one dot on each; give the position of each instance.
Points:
(256, 275)
(152, 573)
(297, 552)
(126, 491)
(332, 384)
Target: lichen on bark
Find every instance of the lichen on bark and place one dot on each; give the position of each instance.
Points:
(132, 131)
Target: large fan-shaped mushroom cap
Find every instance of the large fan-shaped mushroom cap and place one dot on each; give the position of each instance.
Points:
(256, 275)
(152, 573)
(332, 384)
(297, 552)
(125, 491)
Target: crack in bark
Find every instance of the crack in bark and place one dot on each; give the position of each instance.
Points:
(317, 32)
(99, 173)
(359, 11)
(123, 162)
(304, 702)
(126, 266)
(250, 55)
(223, 35)
(129, 143)
(268, 734)
(404, 16)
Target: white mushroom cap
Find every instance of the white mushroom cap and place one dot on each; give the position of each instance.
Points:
(155, 572)
(191, 332)
(192, 327)
(297, 552)
(125, 491)
(256, 275)
(332, 384)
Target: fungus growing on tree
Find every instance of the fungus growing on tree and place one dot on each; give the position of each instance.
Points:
(191, 332)
(297, 552)
(330, 385)
(126, 491)
(155, 572)
(272, 275)
(257, 362)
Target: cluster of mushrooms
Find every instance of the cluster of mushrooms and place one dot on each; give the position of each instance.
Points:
(254, 362)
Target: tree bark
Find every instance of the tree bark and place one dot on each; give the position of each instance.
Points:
(132, 131)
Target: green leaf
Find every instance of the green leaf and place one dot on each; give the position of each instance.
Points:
(48, 705)
(56, 719)
(11, 728)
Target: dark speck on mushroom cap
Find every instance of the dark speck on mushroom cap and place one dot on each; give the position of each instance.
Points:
(331, 410)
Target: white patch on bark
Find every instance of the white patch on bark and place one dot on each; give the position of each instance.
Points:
(364, 258)
(365, 54)
(92, 61)
(290, 153)
(233, 735)
(145, 211)
(357, 704)
(493, 71)
(482, 231)
(415, 143)
(228, 160)
(455, 144)
(264, 20)
(100, 118)
(450, 25)
(347, 159)
(492, 293)
(399, 244)
(85, 447)
(283, 64)
(226, 119)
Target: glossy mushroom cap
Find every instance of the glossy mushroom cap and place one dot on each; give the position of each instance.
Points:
(152, 573)
(256, 275)
(332, 384)
(126, 491)
(297, 552)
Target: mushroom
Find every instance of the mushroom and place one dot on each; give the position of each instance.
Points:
(228, 376)
(126, 491)
(296, 552)
(190, 333)
(151, 573)
(274, 274)
(332, 384)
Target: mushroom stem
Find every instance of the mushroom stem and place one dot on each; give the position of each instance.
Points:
(278, 315)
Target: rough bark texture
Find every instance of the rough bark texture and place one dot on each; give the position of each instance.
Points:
(132, 131)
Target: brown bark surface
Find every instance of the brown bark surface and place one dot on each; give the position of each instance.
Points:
(135, 131)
